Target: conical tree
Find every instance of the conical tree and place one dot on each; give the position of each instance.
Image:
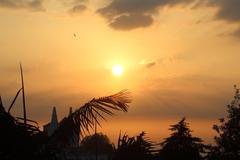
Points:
(181, 144)
(228, 139)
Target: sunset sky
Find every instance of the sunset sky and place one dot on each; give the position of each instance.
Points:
(179, 58)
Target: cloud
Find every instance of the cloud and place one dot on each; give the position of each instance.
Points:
(148, 64)
(77, 6)
(228, 9)
(35, 5)
(131, 14)
(237, 33)
(72, 2)
(77, 9)
(132, 21)
(151, 64)
(160, 61)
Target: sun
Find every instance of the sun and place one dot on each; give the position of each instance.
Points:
(117, 70)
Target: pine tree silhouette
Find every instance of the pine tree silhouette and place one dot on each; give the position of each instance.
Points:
(181, 144)
(228, 139)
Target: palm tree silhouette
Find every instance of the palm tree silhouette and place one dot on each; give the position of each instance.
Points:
(21, 138)
(84, 118)
(130, 148)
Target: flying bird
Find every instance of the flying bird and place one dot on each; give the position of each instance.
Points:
(74, 35)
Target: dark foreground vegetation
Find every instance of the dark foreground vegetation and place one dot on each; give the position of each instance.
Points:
(20, 141)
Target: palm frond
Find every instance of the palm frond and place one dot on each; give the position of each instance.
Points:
(85, 117)
(137, 147)
(10, 107)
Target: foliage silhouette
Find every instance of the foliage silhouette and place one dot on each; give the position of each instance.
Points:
(99, 140)
(17, 140)
(21, 138)
(20, 141)
(181, 144)
(130, 148)
(228, 139)
(84, 118)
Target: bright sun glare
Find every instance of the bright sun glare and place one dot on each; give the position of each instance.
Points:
(117, 70)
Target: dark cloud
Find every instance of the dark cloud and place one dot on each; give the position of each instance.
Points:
(228, 9)
(160, 61)
(132, 21)
(130, 14)
(121, 14)
(76, 6)
(151, 64)
(73, 2)
(35, 5)
(77, 9)
(148, 63)
(236, 33)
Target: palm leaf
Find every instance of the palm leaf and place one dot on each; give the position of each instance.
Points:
(85, 117)
(10, 107)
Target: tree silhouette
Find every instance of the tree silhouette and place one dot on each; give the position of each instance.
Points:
(97, 141)
(86, 117)
(181, 144)
(17, 140)
(25, 141)
(228, 139)
(130, 148)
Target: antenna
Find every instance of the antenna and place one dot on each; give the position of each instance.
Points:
(23, 97)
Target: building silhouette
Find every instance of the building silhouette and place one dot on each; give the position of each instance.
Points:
(50, 127)
(75, 152)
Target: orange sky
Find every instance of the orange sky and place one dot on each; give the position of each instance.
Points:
(179, 58)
